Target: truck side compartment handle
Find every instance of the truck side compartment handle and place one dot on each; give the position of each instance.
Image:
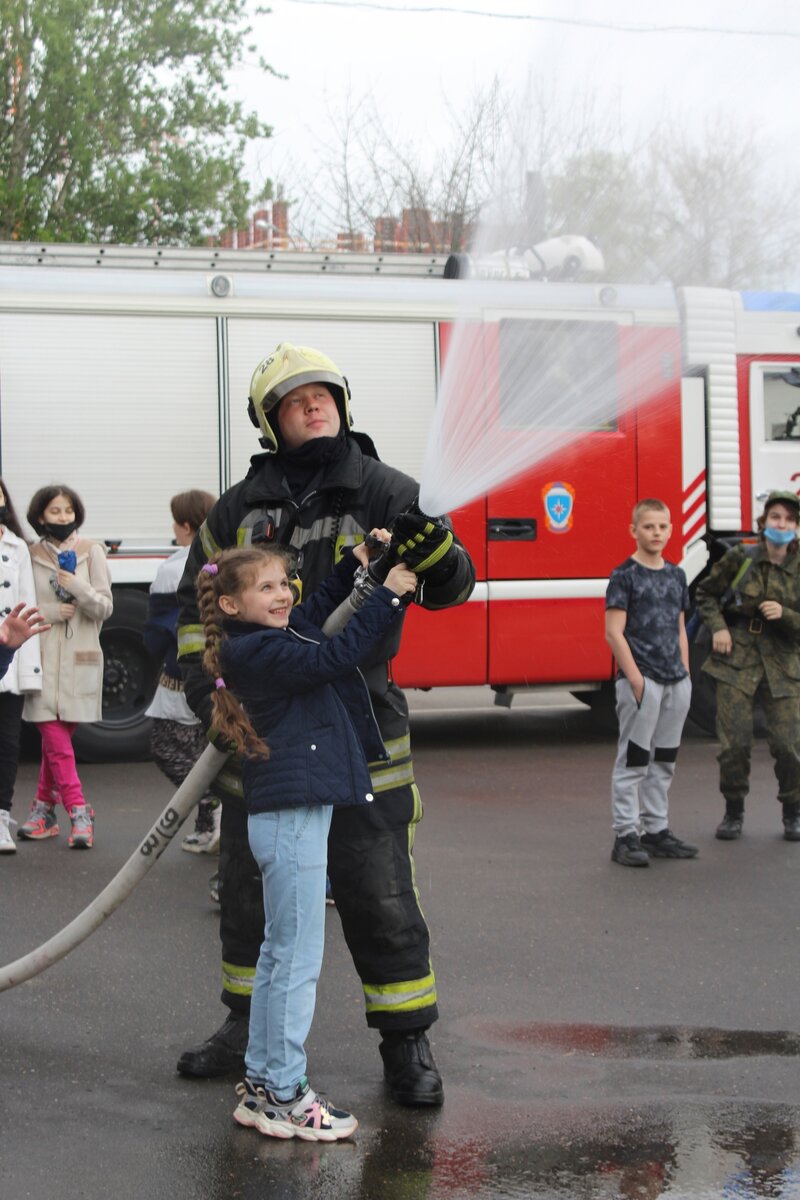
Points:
(512, 529)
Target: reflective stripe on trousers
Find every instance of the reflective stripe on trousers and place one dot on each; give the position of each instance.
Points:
(237, 980)
(407, 997)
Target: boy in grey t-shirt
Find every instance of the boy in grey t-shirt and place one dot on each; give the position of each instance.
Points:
(646, 600)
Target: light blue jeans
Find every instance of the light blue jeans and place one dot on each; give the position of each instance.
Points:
(291, 849)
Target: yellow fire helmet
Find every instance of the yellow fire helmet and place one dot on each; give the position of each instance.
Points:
(286, 368)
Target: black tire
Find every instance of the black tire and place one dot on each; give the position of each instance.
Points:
(703, 708)
(129, 681)
(603, 704)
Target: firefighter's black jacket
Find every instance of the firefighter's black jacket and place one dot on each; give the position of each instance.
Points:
(351, 495)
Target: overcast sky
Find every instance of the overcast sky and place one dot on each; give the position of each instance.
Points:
(417, 62)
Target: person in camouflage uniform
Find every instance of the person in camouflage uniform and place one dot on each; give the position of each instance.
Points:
(751, 603)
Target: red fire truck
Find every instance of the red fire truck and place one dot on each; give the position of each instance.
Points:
(125, 372)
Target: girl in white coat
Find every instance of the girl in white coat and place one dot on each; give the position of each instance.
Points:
(24, 674)
(73, 591)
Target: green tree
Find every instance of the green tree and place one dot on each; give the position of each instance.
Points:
(116, 125)
(600, 194)
(721, 212)
(690, 207)
(698, 201)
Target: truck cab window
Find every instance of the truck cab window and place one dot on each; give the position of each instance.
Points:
(559, 375)
(782, 405)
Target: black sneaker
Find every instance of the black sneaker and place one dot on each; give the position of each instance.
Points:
(664, 844)
(628, 851)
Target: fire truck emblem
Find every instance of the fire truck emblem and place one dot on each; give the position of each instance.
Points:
(559, 502)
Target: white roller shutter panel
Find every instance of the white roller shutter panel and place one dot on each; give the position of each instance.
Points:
(122, 408)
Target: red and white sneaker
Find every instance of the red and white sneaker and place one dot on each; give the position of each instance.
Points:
(82, 835)
(41, 822)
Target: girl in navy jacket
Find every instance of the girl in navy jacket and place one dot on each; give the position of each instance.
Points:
(294, 705)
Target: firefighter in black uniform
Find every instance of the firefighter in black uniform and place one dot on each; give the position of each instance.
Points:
(319, 488)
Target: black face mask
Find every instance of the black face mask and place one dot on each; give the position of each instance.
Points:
(58, 533)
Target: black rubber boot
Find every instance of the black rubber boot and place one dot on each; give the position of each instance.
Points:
(222, 1053)
(791, 823)
(730, 827)
(411, 1075)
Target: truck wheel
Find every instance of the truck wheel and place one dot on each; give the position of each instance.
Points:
(603, 704)
(703, 708)
(129, 681)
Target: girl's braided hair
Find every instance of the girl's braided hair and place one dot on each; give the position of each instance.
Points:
(234, 571)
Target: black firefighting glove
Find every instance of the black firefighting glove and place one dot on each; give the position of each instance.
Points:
(420, 542)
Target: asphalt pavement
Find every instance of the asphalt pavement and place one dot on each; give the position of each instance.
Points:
(606, 1032)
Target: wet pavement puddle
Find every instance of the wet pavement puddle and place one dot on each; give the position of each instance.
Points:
(657, 1041)
(689, 1152)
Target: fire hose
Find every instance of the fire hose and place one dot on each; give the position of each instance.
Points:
(152, 846)
(140, 862)
(367, 579)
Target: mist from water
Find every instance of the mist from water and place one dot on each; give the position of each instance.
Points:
(529, 365)
(515, 391)
(513, 396)
(695, 197)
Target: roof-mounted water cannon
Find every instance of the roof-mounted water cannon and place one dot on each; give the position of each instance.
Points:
(568, 257)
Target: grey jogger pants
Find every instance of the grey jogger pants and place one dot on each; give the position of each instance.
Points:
(649, 737)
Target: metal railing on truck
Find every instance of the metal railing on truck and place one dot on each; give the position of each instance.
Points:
(211, 258)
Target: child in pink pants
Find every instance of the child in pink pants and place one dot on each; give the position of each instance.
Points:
(73, 591)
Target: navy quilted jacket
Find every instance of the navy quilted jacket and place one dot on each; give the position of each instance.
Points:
(6, 656)
(307, 699)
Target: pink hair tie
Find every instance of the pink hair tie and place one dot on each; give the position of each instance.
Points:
(219, 682)
(210, 568)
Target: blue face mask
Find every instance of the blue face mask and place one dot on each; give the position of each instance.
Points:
(781, 537)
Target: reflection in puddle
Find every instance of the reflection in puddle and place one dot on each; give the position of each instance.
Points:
(491, 1146)
(690, 1153)
(662, 1041)
(686, 1158)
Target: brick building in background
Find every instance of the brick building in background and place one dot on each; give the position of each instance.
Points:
(415, 232)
